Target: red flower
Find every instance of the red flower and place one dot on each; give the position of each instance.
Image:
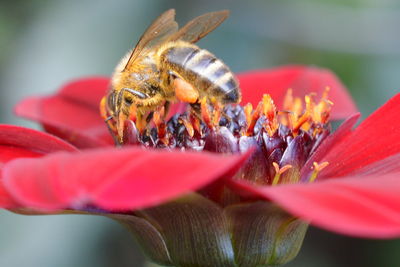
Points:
(358, 193)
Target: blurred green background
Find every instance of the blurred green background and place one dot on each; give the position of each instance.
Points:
(46, 43)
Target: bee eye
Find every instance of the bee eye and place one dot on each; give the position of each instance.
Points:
(111, 101)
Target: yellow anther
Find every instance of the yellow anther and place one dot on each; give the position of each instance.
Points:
(279, 171)
(322, 111)
(269, 111)
(326, 92)
(269, 108)
(288, 100)
(248, 110)
(252, 118)
(317, 168)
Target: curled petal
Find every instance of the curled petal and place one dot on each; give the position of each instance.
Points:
(113, 179)
(6, 201)
(17, 142)
(303, 80)
(365, 206)
(375, 139)
(73, 113)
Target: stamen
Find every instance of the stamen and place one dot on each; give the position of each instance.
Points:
(195, 122)
(288, 100)
(252, 118)
(269, 108)
(300, 122)
(270, 111)
(188, 125)
(248, 109)
(279, 172)
(317, 168)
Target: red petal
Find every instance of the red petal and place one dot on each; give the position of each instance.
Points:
(130, 178)
(303, 80)
(73, 114)
(17, 142)
(88, 91)
(6, 201)
(341, 132)
(374, 139)
(358, 206)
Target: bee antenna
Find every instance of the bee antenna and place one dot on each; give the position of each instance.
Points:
(141, 95)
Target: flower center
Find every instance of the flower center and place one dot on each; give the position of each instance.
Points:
(283, 139)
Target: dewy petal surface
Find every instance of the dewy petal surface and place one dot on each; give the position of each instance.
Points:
(129, 178)
(73, 113)
(365, 206)
(18, 142)
(375, 139)
(303, 80)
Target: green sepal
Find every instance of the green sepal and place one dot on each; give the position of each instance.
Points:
(195, 231)
(147, 236)
(263, 234)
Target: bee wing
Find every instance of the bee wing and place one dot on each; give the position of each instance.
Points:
(158, 32)
(200, 26)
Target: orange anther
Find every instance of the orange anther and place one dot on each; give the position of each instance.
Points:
(248, 110)
(269, 108)
(252, 119)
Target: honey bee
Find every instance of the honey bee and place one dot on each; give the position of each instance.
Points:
(164, 67)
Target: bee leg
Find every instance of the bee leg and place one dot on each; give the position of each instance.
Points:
(149, 117)
(111, 129)
(184, 91)
(167, 107)
(196, 108)
(141, 122)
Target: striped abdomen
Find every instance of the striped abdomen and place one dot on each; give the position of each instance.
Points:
(202, 70)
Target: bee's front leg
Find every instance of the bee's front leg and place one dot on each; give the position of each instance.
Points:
(112, 130)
